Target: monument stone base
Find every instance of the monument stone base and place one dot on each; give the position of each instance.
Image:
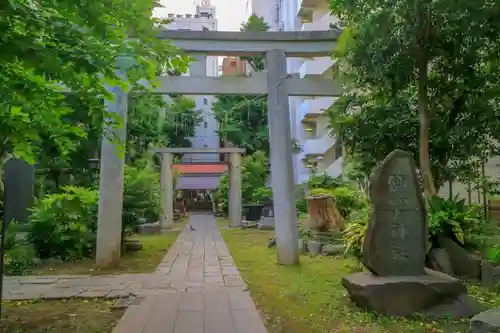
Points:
(407, 295)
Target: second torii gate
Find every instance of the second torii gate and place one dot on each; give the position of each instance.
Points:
(275, 82)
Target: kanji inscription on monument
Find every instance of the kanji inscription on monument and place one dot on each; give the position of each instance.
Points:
(395, 243)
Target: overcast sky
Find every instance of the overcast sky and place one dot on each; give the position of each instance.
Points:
(230, 13)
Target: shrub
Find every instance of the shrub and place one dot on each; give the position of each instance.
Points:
(19, 256)
(254, 172)
(19, 259)
(63, 225)
(494, 254)
(262, 195)
(141, 194)
(453, 219)
(355, 231)
(346, 198)
(324, 181)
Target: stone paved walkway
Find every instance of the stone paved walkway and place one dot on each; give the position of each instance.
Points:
(196, 289)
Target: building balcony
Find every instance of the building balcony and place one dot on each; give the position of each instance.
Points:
(315, 107)
(316, 66)
(321, 24)
(306, 8)
(335, 169)
(318, 146)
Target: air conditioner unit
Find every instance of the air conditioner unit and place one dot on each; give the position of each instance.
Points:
(189, 15)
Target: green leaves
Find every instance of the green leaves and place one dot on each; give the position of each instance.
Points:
(47, 43)
(408, 61)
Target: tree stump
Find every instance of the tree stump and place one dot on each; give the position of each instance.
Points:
(323, 214)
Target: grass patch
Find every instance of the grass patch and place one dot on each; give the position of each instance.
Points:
(70, 315)
(310, 298)
(145, 261)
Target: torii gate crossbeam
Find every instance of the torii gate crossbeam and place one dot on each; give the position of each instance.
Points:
(279, 85)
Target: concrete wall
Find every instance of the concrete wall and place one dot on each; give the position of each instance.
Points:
(268, 9)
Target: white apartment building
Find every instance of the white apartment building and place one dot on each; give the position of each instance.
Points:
(206, 133)
(309, 125)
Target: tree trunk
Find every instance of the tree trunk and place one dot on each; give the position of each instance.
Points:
(423, 105)
(323, 214)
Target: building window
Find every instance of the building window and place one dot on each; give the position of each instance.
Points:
(205, 124)
(205, 101)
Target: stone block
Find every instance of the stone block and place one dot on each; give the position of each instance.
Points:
(440, 261)
(465, 264)
(314, 247)
(332, 249)
(149, 228)
(486, 322)
(402, 295)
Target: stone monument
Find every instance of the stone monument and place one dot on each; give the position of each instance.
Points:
(19, 190)
(266, 218)
(394, 250)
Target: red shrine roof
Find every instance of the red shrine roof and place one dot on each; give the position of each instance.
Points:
(200, 168)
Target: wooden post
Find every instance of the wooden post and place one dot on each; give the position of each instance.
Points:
(323, 214)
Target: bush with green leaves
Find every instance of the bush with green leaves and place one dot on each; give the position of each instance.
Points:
(254, 172)
(355, 230)
(452, 218)
(141, 194)
(63, 225)
(19, 256)
(493, 254)
(346, 198)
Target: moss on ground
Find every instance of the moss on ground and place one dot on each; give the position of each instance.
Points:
(145, 261)
(60, 316)
(310, 298)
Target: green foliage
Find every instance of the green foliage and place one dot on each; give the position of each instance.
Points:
(77, 44)
(141, 194)
(254, 172)
(346, 198)
(262, 195)
(155, 122)
(453, 219)
(63, 225)
(19, 255)
(324, 181)
(494, 254)
(243, 121)
(255, 23)
(20, 259)
(421, 76)
(355, 230)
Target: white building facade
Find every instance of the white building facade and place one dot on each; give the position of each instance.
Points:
(309, 124)
(206, 132)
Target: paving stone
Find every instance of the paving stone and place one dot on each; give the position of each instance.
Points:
(190, 321)
(248, 322)
(163, 315)
(196, 289)
(219, 322)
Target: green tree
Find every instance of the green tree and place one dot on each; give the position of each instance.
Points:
(242, 119)
(424, 75)
(49, 43)
(156, 122)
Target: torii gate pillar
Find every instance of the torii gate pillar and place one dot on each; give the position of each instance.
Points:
(280, 142)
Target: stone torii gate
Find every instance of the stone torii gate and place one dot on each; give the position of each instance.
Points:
(167, 181)
(275, 82)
